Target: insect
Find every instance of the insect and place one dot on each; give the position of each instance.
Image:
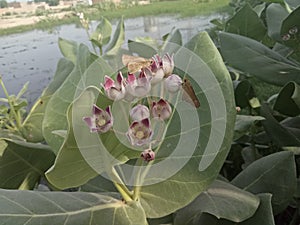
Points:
(189, 93)
(135, 63)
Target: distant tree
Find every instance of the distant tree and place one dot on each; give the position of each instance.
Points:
(52, 2)
(3, 4)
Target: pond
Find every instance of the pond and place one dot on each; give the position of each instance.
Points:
(33, 56)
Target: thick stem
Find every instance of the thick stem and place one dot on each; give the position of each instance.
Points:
(126, 194)
(137, 182)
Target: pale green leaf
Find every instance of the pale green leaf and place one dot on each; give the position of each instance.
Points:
(65, 208)
(275, 174)
(222, 200)
(55, 114)
(22, 164)
(32, 125)
(69, 49)
(117, 39)
(217, 107)
(252, 57)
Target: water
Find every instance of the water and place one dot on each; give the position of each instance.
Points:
(32, 56)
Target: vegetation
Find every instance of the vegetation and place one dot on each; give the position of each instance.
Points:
(3, 4)
(112, 11)
(84, 156)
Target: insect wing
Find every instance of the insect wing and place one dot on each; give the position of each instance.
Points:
(135, 63)
(189, 94)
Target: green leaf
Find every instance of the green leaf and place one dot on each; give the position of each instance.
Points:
(293, 3)
(173, 41)
(243, 92)
(117, 39)
(32, 125)
(258, 60)
(3, 145)
(275, 14)
(48, 208)
(162, 220)
(243, 124)
(281, 135)
(200, 170)
(275, 174)
(247, 23)
(264, 213)
(22, 164)
(22, 91)
(82, 156)
(69, 49)
(101, 35)
(55, 114)
(288, 100)
(290, 22)
(142, 49)
(222, 200)
(99, 184)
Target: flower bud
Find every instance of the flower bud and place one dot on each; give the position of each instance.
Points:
(114, 90)
(138, 87)
(161, 109)
(167, 64)
(286, 37)
(173, 83)
(148, 155)
(293, 30)
(139, 112)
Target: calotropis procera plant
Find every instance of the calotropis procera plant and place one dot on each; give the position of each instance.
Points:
(138, 130)
(135, 90)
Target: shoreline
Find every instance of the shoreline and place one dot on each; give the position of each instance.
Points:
(18, 25)
(8, 23)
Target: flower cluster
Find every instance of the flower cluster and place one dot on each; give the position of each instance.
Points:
(290, 35)
(137, 86)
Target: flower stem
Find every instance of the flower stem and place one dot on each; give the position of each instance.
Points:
(137, 183)
(121, 188)
(126, 194)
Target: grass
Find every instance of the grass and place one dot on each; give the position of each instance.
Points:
(183, 8)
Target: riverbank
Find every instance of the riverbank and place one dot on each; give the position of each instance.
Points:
(184, 8)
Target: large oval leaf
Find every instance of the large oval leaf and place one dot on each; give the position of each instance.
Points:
(258, 60)
(22, 164)
(55, 114)
(117, 39)
(32, 125)
(222, 200)
(68, 48)
(275, 173)
(292, 21)
(65, 208)
(263, 215)
(247, 23)
(82, 155)
(206, 67)
(275, 14)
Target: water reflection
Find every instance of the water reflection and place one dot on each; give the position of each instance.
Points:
(150, 24)
(32, 56)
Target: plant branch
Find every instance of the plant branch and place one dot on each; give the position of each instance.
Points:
(122, 188)
(17, 117)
